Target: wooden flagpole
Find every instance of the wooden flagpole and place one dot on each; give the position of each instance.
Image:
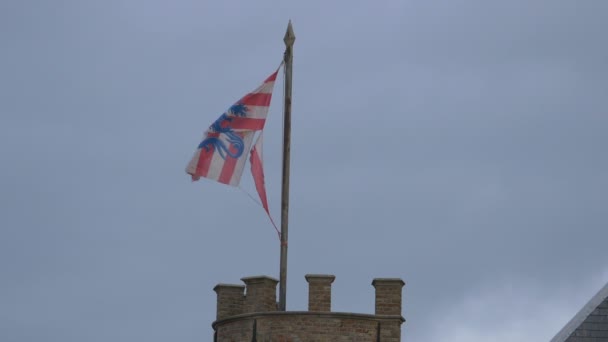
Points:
(289, 39)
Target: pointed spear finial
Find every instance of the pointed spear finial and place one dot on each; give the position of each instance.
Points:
(290, 37)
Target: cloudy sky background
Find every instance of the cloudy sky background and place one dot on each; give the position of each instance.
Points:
(459, 145)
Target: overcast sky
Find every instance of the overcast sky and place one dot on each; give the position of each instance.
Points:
(457, 144)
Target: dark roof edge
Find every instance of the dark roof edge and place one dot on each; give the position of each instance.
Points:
(581, 316)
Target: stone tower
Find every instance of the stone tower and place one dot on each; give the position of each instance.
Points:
(247, 313)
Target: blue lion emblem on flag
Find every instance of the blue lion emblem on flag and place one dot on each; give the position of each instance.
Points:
(222, 126)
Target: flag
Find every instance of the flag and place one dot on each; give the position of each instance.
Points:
(222, 153)
(257, 170)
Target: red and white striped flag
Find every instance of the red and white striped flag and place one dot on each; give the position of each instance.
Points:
(222, 153)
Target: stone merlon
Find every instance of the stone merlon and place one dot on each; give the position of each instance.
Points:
(388, 295)
(319, 292)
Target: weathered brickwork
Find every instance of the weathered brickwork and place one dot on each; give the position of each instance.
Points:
(388, 296)
(319, 292)
(230, 300)
(260, 294)
(245, 311)
(308, 327)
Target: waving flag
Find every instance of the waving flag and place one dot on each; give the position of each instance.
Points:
(222, 153)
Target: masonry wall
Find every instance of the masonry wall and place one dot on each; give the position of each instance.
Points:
(248, 313)
(309, 327)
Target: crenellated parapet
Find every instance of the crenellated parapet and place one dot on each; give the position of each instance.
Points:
(251, 309)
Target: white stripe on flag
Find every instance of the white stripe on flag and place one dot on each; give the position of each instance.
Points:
(215, 168)
(240, 164)
(257, 112)
(265, 88)
(191, 168)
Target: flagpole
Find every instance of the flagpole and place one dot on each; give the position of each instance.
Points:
(289, 39)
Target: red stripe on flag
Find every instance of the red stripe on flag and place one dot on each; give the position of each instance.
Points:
(256, 99)
(204, 162)
(204, 158)
(229, 165)
(272, 77)
(257, 171)
(258, 177)
(247, 123)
